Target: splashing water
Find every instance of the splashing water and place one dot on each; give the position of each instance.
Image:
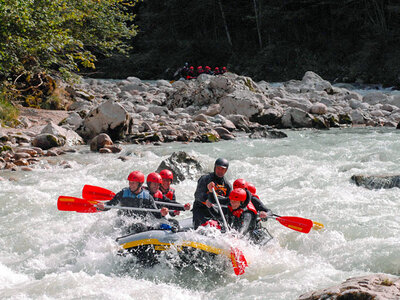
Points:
(48, 254)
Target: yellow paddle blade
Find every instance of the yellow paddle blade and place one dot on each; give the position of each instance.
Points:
(318, 226)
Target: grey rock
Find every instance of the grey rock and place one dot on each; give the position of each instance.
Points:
(375, 286)
(182, 165)
(377, 181)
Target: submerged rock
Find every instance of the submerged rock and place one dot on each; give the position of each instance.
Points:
(182, 165)
(377, 181)
(376, 286)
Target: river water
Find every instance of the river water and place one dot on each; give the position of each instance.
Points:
(48, 254)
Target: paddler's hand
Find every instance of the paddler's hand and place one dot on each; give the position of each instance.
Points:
(211, 186)
(177, 212)
(263, 214)
(164, 211)
(209, 204)
(186, 206)
(100, 206)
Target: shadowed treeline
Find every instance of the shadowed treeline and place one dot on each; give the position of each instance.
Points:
(277, 40)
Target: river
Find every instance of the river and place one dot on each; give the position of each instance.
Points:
(48, 254)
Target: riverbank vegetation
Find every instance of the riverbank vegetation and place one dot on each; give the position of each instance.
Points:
(41, 41)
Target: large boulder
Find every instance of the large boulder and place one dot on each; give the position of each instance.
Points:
(46, 141)
(375, 286)
(310, 82)
(377, 181)
(109, 117)
(297, 118)
(71, 137)
(100, 141)
(182, 165)
(242, 102)
(267, 133)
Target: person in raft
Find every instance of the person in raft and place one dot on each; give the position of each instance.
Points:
(168, 192)
(263, 211)
(134, 196)
(205, 185)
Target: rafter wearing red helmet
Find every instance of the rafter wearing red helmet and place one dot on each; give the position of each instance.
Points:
(134, 196)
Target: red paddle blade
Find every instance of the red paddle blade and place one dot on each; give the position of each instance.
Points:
(239, 262)
(66, 203)
(296, 223)
(91, 192)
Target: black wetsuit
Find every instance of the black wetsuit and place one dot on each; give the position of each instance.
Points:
(201, 213)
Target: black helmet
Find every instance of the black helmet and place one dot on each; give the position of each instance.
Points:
(221, 162)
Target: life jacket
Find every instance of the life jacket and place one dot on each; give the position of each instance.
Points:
(238, 212)
(128, 194)
(170, 194)
(158, 196)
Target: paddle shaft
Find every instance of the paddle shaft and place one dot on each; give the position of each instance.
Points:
(220, 209)
(132, 208)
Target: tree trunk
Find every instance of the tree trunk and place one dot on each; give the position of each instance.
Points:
(257, 15)
(228, 36)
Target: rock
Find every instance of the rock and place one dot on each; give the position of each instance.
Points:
(297, 118)
(105, 150)
(320, 123)
(109, 117)
(114, 148)
(208, 137)
(213, 110)
(124, 158)
(246, 103)
(71, 137)
(51, 153)
(46, 141)
(228, 125)
(21, 155)
(375, 286)
(100, 141)
(224, 133)
(240, 122)
(29, 151)
(377, 181)
(26, 169)
(201, 117)
(182, 165)
(375, 98)
(269, 117)
(318, 108)
(268, 133)
(21, 162)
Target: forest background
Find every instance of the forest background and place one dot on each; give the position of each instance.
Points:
(341, 40)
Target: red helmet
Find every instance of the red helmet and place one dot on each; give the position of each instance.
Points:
(166, 174)
(223, 68)
(240, 184)
(251, 188)
(136, 176)
(154, 177)
(208, 68)
(216, 68)
(238, 195)
(191, 67)
(199, 67)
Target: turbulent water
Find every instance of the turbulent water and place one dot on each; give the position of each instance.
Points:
(48, 254)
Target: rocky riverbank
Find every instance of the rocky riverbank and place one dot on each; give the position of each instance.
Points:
(207, 109)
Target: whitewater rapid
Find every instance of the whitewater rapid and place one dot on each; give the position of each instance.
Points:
(48, 254)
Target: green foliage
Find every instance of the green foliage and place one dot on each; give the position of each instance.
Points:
(61, 34)
(8, 113)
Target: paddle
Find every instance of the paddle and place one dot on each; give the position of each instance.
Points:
(66, 203)
(239, 262)
(294, 223)
(91, 192)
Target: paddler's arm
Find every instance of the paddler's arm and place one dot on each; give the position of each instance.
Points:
(114, 201)
(261, 208)
(200, 195)
(150, 204)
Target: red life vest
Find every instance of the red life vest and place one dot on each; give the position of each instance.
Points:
(158, 195)
(238, 212)
(170, 194)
